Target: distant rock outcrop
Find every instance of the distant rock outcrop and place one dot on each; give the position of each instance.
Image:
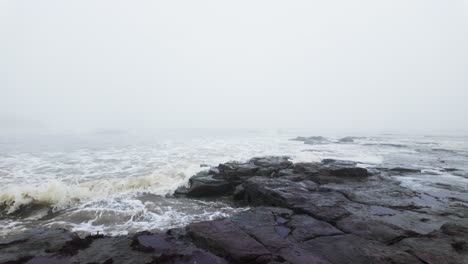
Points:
(314, 140)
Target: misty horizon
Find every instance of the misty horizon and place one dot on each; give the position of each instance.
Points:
(335, 67)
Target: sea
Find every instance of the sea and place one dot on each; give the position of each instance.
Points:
(116, 182)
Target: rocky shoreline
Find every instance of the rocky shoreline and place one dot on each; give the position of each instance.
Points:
(329, 212)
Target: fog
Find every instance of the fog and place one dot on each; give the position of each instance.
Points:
(347, 66)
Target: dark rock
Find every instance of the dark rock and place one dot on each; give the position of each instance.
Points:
(270, 226)
(148, 242)
(299, 139)
(339, 163)
(384, 199)
(265, 166)
(373, 229)
(306, 168)
(268, 172)
(209, 186)
(451, 169)
(296, 178)
(63, 247)
(181, 191)
(297, 196)
(282, 231)
(239, 192)
(305, 227)
(213, 171)
(330, 170)
(437, 250)
(315, 140)
(119, 249)
(203, 184)
(296, 254)
(404, 170)
(145, 248)
(341, 168)
(352, 249)
(285, 172)
(311, 140)
(195, 257)
(380, 192)
(349, 172)
(50, 260)
(236, 172)
(270, 192)
(34, 242)
(72, 246)
(266, 225)
(347, 139)
(453, 229)
(223, 179)
(228, 240)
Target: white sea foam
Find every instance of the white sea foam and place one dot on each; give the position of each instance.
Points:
(148, 216)
(61, 195)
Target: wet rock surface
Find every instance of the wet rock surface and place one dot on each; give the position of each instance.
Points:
(228, 240)
(327, 212)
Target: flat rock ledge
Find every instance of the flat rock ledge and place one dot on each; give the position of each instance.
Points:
(330, 212)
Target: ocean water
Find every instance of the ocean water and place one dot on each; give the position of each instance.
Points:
(118, 183)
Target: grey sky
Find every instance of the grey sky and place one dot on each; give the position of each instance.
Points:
(349, 65)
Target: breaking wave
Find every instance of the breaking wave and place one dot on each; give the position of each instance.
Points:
(60, 195)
